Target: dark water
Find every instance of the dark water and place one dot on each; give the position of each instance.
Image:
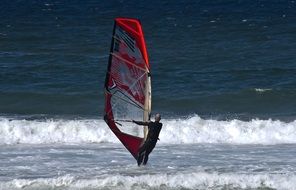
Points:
(220, 58)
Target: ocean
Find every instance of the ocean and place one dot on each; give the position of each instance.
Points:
(223, 78)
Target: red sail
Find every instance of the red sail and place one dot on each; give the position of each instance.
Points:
(127, 84)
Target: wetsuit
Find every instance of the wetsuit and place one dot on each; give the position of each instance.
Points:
(151, 140)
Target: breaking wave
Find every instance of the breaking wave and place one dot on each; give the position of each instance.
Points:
(197, 180)
(175, 131)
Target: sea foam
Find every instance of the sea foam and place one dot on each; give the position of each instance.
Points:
(174, 131)
(195, 180)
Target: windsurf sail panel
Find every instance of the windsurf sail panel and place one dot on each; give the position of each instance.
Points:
(128, 84)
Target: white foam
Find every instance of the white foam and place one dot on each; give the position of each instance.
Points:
(197, 130)
(195, 180)
(261, 90)
(54, 131)
(175, 131)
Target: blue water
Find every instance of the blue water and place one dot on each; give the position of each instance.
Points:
(223, 78)
(219, 58)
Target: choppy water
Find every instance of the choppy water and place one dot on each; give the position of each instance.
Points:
(223, 77)
(222, 57)
(193, 130)
(192, 153)
(202, 166)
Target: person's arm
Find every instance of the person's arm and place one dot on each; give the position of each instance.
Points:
(140, 122)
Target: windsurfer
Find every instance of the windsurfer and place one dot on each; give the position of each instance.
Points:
(151, 140)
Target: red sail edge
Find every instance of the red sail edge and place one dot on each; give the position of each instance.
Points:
(134, 27)
(131, 143)
(128, 52)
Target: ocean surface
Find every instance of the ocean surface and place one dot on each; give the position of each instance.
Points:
(223, 78)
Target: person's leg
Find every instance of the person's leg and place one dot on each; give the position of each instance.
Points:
(140, 157)
(147, 152)
(141, 154)
(146, 157)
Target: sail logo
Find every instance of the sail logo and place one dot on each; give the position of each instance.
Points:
(128, 40)
(126, 45)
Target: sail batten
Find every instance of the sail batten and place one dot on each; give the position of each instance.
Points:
(127, 84)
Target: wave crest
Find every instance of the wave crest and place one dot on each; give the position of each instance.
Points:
(175, 131)
(195, 180)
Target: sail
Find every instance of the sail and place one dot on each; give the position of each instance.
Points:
(127, 84)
